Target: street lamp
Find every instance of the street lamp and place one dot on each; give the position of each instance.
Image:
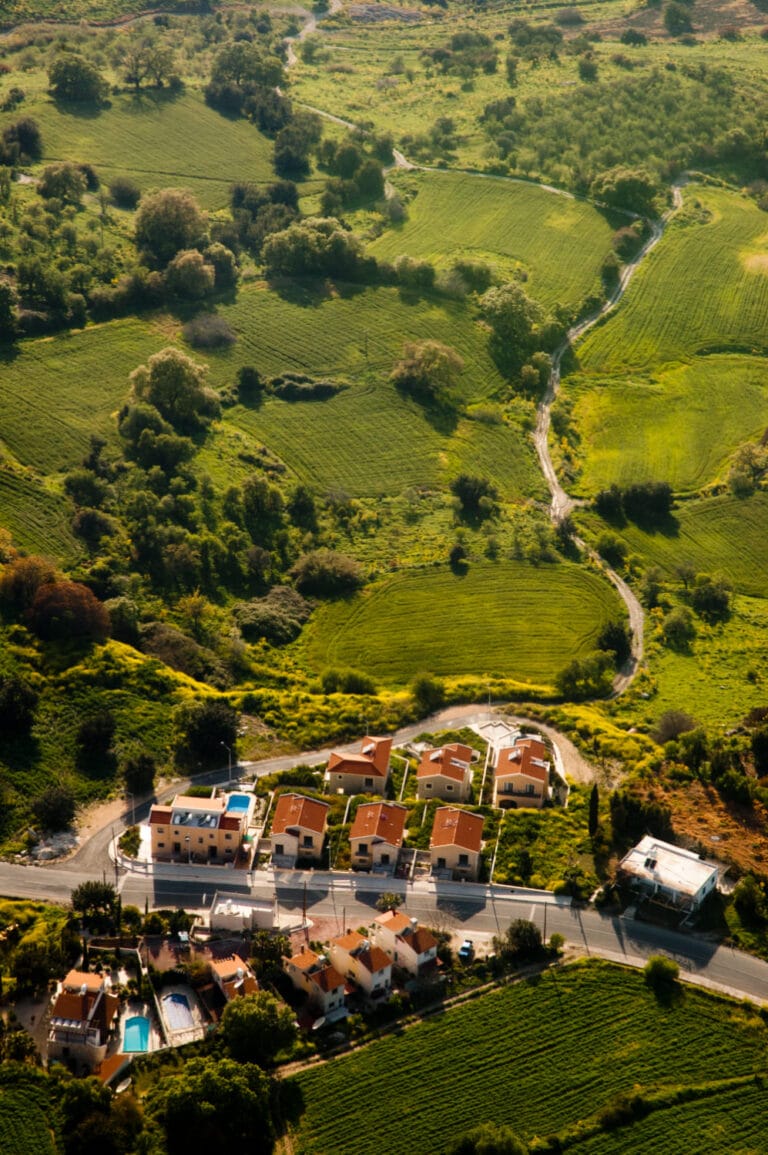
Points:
(229, 762)
(188, 840)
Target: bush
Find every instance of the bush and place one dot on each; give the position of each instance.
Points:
(278, 617)
(661, 973)
(428, 692)
(325, 572)
(207, 331)
(66, 611)
(55, 809)
(345, 681)
(124, 192)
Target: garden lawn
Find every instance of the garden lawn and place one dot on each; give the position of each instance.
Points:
(513, 1054)
(511, 619)
(557, 242)
(686, 421)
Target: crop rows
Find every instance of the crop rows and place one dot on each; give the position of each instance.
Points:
(38, 520)
(704, 288)
(160, 140)
(731, 1121)
(724, 534)
(512, 619)
(559, 242)
(536, 1058)
(58, 391)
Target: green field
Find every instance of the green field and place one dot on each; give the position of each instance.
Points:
(719, 682)
(703, 289)
(512, 619)
(158, 139)
(38, 519)
(558, 242)
(686, 421)
(723, 534)
(513, 1054)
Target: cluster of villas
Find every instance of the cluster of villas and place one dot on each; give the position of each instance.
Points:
(219, 829)
(363, 967)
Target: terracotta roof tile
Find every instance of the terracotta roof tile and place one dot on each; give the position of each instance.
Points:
(453, 827)
(421, 940)
(160, 816)
(394, 920)
(372, 760)
(384, 820)
(304, 960)
(296, 810)
(77, 979)
(449, 761)
(520, 759)
(328, 979)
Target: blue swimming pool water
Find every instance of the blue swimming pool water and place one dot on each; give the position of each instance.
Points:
(178, 1014)
(238, 802)
(136, 1034)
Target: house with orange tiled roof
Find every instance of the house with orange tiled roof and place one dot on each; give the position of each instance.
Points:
(366, 772)
(324, 987)
(298, 829)
(456, 843)
(233, 977)
(445, 773)
(411, 947)
(521, 777)
(376, 836)
(84, 1015)
(195, 830)
(360, 960)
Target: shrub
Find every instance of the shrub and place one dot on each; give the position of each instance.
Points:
(661, 972)
(22, 578)
(278, 617)
(124, 192)
(207, 331)
(68, 610)
(54, 809)
(345, 681)
(325, 572)
(428, 692)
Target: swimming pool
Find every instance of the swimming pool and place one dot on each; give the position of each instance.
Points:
(238, 802)
(178, 1014)
(136, 1034)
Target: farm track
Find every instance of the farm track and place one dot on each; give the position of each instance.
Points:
(561, 504)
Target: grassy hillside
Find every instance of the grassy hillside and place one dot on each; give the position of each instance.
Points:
(37, 519)
(726, 534)
(518, 1048)
(515, 619)
(557, 242)
(686, 421)
(703, 289)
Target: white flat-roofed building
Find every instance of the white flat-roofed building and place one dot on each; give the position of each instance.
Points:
(669, 874)
(239, 913)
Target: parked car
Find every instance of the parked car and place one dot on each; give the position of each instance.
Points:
(466, 951)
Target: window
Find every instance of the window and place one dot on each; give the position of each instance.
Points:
(201, 841)
(463, 860)
(385, 860)
(529, 788)
(308, 841)
(228, 837)
(441, 864)
(161, 846)
(161, 830)
(449, 786)
(428, 786)
(369, 783)
(362, 848)
(279, 848)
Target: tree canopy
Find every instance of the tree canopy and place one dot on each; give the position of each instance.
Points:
(257, 1027)
(175, 384)
(74, 78)
(168, 221)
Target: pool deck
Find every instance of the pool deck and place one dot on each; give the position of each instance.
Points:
(133, 1009)
(187, 1034)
